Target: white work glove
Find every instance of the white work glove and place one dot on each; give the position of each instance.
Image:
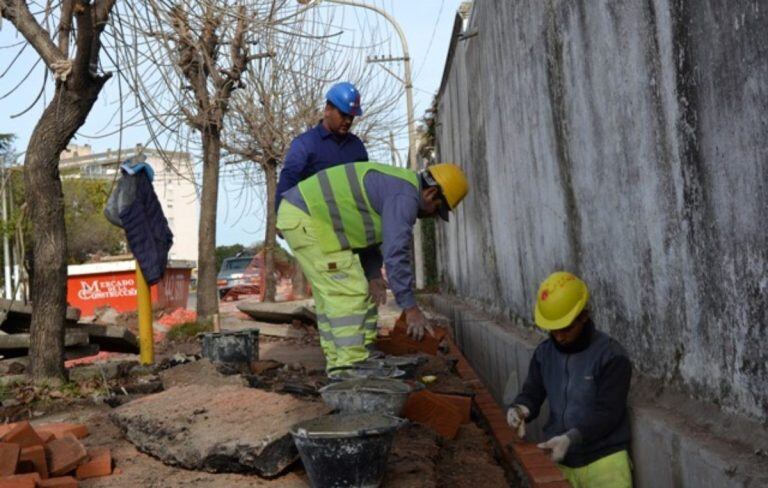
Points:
(377, 290)
(417, 323)
(558, 445)
(516, 416)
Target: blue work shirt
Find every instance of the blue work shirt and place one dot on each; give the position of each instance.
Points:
(315, 150)
(397, 202)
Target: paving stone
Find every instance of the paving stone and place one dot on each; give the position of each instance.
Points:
(9, 457)
(32, 460)
(217, 429)
(64, 455)
(99, 464)
(23, 434)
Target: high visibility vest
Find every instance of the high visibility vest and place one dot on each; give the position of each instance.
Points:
(338, 204)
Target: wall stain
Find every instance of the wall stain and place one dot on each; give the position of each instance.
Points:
(557, 100)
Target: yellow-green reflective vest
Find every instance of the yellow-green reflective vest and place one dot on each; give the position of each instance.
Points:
(338, 204)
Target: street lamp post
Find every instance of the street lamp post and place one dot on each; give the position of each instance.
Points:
(408, 84)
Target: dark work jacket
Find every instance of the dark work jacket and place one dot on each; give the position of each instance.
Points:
(146, 230)
(587, 391)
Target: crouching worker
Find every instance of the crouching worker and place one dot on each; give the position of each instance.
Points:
(339, 222)
(585, 375)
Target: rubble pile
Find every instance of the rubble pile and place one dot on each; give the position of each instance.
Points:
(49, 455)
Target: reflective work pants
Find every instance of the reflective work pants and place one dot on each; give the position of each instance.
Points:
(612, 471)
(346, 316)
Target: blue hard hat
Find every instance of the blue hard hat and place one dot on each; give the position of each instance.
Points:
(345, 97)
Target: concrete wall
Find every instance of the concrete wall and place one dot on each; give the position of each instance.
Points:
(625, 141)
(676, 442)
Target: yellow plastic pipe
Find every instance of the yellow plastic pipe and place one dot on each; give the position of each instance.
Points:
(146, 339)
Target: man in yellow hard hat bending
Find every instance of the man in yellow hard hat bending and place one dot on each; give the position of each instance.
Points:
(341, 224)
(585, 375)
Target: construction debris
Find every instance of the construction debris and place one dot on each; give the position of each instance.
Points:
(111, 338)
(217, 429)
(47, 455)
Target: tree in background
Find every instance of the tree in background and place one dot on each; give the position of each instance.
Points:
(89, 233)
(49, 30)
(189, 58)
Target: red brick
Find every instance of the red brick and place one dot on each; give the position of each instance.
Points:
(100, 464)
(60, 482)
(23, 434)
(9, 457)
(535, 460)
(462, 403)
(20, 481)
(45, 435)
(546, 474)
(32, 460)
(5, 428)
(59, 430)
(522, 448)
(427, 408)
(400, 343)
(64, 455)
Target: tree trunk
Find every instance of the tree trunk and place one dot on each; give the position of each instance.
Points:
(62, 117)
(207, 295)
(270, 238)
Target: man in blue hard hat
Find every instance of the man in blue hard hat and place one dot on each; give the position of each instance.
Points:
(327, 144)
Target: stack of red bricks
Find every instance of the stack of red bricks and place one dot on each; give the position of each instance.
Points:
(48, 456)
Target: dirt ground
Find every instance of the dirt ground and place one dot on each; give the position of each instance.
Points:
(419, 457)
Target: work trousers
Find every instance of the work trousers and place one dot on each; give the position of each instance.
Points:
(346, 315)
(612, 471)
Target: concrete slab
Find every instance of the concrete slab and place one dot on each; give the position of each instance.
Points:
(309, 356)
(21, 341)
(265, 328)
(279, 312)
(217, 429)
(201, 372)
(111, 338)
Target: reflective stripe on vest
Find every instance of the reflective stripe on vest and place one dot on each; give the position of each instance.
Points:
(338, 204)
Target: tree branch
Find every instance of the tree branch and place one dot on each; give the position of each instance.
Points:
(18, 14)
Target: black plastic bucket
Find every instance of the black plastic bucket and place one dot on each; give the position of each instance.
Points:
(239, 347)
(346, 450)
(368, 395)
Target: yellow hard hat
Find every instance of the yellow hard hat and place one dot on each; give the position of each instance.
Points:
(452, 182)
(561, 298)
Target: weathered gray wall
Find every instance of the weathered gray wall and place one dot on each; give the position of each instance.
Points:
(626, 141)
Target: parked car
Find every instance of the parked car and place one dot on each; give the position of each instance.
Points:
(236, 271)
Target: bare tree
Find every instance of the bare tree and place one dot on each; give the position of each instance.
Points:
(77, 86)
(198, 52)
(283, 96)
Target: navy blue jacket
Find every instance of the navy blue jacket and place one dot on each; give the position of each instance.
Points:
(146, 230)
(314, 151)
(587, 387)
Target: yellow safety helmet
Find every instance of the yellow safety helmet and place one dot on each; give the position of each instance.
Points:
(452, 182)
(561, 298)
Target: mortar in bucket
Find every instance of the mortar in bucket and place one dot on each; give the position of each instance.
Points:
(372, 395)
(346, 450)
(237, 348)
